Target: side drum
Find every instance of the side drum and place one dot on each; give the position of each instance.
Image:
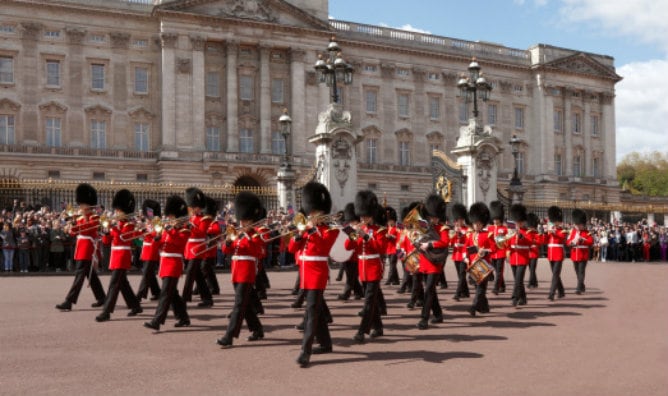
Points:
(480, 270)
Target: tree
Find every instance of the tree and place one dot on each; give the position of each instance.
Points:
(644, 174)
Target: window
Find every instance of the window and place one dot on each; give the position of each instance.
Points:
(433, 76)
(404, 154)
(212, 138)
(98, 131)
(433, 146)
(434, 107)
(370, 68)
(577, 166)
(277, 89)
(7, 29)
(558, 167)
(371, 150)
(53, 73)
(53, 127)
(212, 84)
(491, 114)
(142, 177)
(402, 105)
(558, 120)
(520, 163)
(277, 143)
(405, 187)
(402, 71)
(98, 175)
(518, 88)
(519, 118)
(142, 130)
(371, 99)
(577, 122)
(246, 141)
(595, 125)
(97, 76)
(339, 95)
(246, 88)
(141, 80)
(6, 70)
(595, 167)
(6, 129)
(52, 34)
(463, 112)
(54, 174)
(141, 43)
(97, 38)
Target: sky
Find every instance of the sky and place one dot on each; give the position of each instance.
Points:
(633, 32)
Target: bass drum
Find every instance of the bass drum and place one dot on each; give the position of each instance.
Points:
(338, 251)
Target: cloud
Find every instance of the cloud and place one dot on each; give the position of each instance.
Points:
(407, 27)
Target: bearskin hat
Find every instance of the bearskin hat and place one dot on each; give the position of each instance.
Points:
(518, 212)
(176, 206)
(366, 203)
(247, 206)
(124, 201)
(555, 214)
(391, 213)
(532, 220)
(380, 216)
(434, 206)
(459, 212)
(210, 207)
(349, 213)
(407, 209)
(315, 197)
(479, 213)
(151, 206)
(86, 194)
(195, 198)
(496, 210)
(262, 214)
(579, 217)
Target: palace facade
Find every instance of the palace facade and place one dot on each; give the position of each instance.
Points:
(190, 91)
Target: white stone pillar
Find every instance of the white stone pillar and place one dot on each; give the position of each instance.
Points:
(168, 41)
(607, 131)
(232, 94)
(198, 94)
(265, 100)
(297, 103)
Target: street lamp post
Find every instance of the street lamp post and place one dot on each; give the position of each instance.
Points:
(474, 86)
(515, 143)
(333, 70)
(286, 176)
(285, 128)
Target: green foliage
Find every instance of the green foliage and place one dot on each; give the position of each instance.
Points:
(644, 174)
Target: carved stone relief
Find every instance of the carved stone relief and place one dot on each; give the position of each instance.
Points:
(341, 156)
(119, 40)
(183, 65)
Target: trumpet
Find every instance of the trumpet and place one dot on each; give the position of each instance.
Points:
(156, 225)
(298, 224)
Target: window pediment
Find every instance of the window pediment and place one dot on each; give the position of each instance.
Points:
(9, 104)
(98, 110)
(141, 112)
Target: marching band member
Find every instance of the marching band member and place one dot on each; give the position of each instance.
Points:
(534, 250)
(520, 244)
(196, 201)
(498, 229)
(172, 242)
(353, 285)
(479, 244)
(211, 252)
(150, 254)
(368, 243)
(246, 252)
(392, 236)
(431, 263)
(122, 234)
(315, 244)
(556, 237)
(404, 248)
(262, 280)
(458, 243)
(580, 240)
(85, 251)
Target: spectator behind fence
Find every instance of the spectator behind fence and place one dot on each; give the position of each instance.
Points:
(8, 246)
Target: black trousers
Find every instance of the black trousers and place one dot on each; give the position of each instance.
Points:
(462, 286)
(209, 274)
(533, 280)
(580, 268)
(242, 309)
(393, 272)
(371, 310)
(556, 285)
(431, 303)
(315, 325)
(119, 282)
(500, 283)
(480, 302)
(149, 281)
(82, 272)
(519, 292)
(441, 278)
(406, 281)
(417, 294)
(194, 274)
(352, 279)
(169, 296)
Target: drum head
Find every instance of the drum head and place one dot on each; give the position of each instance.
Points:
(338, 252)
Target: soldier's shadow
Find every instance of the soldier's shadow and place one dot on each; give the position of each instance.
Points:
(398, 356)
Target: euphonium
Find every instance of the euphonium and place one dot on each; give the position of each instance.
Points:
(502, 240)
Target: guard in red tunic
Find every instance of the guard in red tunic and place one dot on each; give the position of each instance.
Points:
(172, 242)
(315, 244)
(199, 224)
(498, 255)
(479, 245)
(350, 218)
(210, 253)
(246, 252)
(433, 254)
(580, 241)
(368, 243)
(85, 251)
(122, 234)
(534, 250)
(555, 239)
(458, 244)
(518, 246)
(392, 236)
(150, 254)
(411, 282)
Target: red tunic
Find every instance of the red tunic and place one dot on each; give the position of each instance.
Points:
(85, 229)
(495, 231)
(534, 249)
(405, 245)
(369, 253)
(579, 241)
(150, 248)
(555, 244)
(199, 225)
(245, 253)
(213, 231)
(458, 243)
(519, 248)
(122, 235)
(481, 240)
(426, 266)
(315, 248)
(392, 238)
(172, 243)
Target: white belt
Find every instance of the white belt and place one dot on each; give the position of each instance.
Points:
(244, 258)
(314, 258)
(555, 245)
(147, 244)
(580, 247)
(121, 248)
(369, 256)
(167, 254)
(196, 239)
(90, 238)
(519, 247)
(459, 245)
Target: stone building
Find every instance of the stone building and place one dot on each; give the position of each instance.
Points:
(190, 91)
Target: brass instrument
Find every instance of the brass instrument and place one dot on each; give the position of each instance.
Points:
(298, 224)
(231, 232)
(502, 241)
(156, 225)
(103, 222)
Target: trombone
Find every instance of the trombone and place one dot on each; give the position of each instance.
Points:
(298, 224)
(231, 231)
(156, 225)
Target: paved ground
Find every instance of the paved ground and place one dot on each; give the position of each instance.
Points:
(611, 341)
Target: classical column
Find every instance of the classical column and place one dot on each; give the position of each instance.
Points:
(30, 62)
(168, 42)
(607, 133)
(387, 97)
(120, 136)
(232, 48)
(198, 94)
(298, 103)
(75, 119)
(265, 100)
